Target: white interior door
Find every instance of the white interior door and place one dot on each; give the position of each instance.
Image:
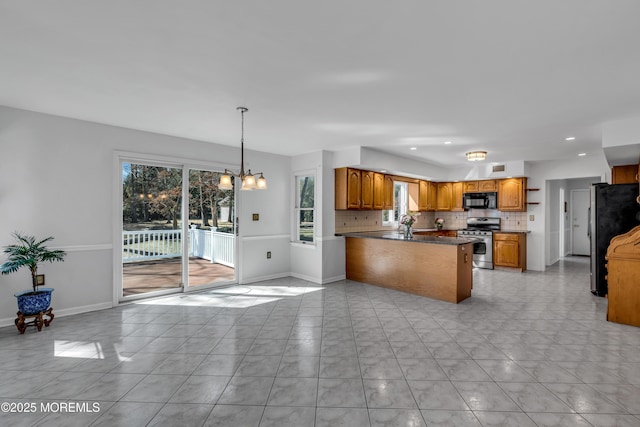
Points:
(580, 222)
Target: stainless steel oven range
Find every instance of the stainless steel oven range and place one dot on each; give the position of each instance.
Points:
(481, 228)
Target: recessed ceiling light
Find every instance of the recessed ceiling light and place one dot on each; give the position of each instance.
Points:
(383, 171)
(447, 142)
(570, 138)
(582, 154)
(413, 148)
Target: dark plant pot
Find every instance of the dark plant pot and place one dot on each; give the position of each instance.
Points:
(33, 303)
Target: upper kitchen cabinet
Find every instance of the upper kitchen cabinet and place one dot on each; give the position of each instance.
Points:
(388, 192)
(359, 189)
(456, 196)
(627, 174)
(428, 196)
(347, 188)
(512, 195)
(470, 187)
(366, 194)
(444, 196)
(378, 191)
(487, 186)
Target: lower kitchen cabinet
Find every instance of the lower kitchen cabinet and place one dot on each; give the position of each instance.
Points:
(510, 250)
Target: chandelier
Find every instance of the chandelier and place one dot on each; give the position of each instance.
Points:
(249, 181)
(475, 156)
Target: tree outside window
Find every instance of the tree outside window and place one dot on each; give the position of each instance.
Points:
(305, 208)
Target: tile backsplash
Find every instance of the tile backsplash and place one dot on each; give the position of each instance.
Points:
(353, 221)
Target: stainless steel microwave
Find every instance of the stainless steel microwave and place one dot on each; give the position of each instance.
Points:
(480, 200)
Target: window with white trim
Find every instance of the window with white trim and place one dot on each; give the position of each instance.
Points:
(305, 211)
(400, 204)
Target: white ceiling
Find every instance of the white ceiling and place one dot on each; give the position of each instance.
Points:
(512, 77)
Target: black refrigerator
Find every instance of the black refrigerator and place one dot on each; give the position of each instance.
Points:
(614, 210)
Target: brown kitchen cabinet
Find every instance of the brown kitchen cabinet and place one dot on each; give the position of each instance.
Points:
(456, 196)
(347, 188)
(366, 192)
(428, 196)
(388, 192)
(483, 186)
(512, 196)
(510, 250)
(627, 174)
(470, 187)
(487, 186)
(359, 189)
(444, 196)
(378, 191)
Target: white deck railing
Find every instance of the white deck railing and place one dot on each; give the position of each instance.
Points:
(155, 244)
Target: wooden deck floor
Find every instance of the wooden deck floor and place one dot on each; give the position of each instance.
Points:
(149, 276)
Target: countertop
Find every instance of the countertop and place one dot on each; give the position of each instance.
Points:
(513, 231)
(434, 229)
(396, 235)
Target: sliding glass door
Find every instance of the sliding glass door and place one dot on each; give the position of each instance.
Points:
(161, 253)
(211, 238)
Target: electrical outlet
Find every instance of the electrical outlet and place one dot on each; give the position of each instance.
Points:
(269, 255)
(531, 217)
(256, 217)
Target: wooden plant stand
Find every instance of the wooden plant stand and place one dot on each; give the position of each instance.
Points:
(38, 320)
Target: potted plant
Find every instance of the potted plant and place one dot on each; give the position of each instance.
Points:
(29, 253)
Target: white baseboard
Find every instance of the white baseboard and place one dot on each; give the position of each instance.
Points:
(334, 279)
(318, 280)
(65, 312)
(261, 278)
(311, 279)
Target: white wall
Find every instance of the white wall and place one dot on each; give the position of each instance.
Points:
(57, 177)
(539, 173)
(323, 261)
(370, 159)
(485, 171)
(621, 141)
(552, 254)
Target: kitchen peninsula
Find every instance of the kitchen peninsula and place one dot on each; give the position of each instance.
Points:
(432, 266)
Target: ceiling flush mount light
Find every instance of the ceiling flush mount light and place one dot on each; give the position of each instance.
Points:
(570, 138)
(582, 154)
(447, 142)
(413, 148)
(476, 156)
(248, 180)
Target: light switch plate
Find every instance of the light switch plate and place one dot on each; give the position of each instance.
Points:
(531, 217)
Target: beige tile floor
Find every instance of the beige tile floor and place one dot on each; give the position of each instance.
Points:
(527, 349)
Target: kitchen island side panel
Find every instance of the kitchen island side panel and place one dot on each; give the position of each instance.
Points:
(442, 272)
